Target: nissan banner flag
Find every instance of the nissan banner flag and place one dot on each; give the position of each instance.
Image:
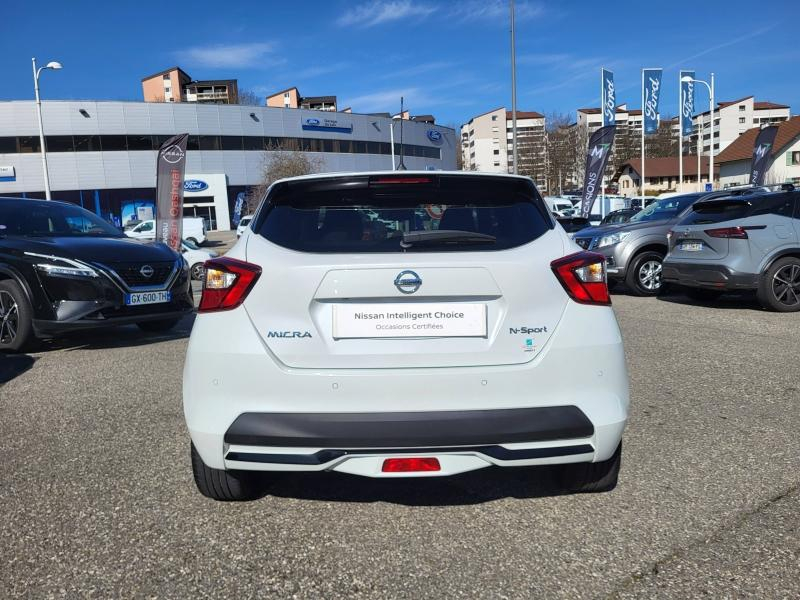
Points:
(687, 103)
(761, 154)
(169, 190)
(599, 148)
(652, 92)
(608, 98)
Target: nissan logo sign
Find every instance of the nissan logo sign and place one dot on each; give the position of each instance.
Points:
(194, 185)
(146, 271)
(173, 154)
(407, 282)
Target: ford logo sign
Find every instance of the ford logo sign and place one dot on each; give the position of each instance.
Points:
(434, 136)
(312, 121)
(194, 185)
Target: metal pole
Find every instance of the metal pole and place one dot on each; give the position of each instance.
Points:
(603, 124)
(401, 166)
(513, 90)
(711, 153)
(642, 173)
(391, 138)
(680, 131)
(41, 129)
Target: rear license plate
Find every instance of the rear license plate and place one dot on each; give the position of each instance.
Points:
(147, 298)
(409, 320)
(691, 246)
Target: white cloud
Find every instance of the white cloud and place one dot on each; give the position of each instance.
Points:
(493, 10)
(377, 12)
(232, 55)
(418, 69)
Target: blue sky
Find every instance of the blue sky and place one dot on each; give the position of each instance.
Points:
(450, 59)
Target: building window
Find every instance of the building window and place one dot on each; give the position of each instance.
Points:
(497, 163)
(741, 108)
(497, 151)
(165, 77)
(494, 117)
(741, 119)
(793, 158)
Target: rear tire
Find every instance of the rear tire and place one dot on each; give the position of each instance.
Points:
(193, 240)
(644, 274)
(158, 326)
(779, 288)
(226, 486)
(16, 318)
(588, 478)
(702, 294)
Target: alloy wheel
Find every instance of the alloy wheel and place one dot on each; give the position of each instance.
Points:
(650, 275)
(9, 318)
(198, 271)
(786, 285)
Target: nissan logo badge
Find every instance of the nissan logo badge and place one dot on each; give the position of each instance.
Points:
(407, 282)
(146, 271)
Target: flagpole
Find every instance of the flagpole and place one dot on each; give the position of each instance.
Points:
(642, 155)
(680, 131)
(603, 124)
(513, 91)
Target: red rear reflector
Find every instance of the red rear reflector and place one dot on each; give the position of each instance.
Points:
(583, 276)
(226, 283)
(728, 232)
(410, 465)
(392, 180)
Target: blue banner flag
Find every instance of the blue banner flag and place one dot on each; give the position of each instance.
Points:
(608, 98)
(687, 103)
(600, 145)
(237, 208)
(652, 94)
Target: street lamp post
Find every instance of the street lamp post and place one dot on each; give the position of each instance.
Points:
(710, 87)
(513, 90)
(36, 73)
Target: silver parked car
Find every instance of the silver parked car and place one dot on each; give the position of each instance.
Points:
(740, 242)
(635, 250)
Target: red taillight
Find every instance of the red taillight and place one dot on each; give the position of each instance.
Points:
(583, 276)
(728, 232)
(410, 465)
(226, 283)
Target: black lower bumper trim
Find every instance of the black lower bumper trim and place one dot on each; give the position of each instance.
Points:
(403, 429)
(325, 456)
(43, 327)
(711, 276)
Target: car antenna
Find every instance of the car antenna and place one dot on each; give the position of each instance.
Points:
(401, 166)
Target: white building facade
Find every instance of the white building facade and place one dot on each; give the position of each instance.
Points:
(102, 155)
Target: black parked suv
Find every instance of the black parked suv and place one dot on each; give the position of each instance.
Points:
(63, 268)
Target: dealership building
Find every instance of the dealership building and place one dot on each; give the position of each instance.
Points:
(102, 155)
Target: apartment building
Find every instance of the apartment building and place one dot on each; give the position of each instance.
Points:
(592, 118)
(291, 98)
(175, 85)
(735, 161)
(732, 119)
(487, 144)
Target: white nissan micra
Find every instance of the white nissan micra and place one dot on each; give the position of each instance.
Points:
(404, 324)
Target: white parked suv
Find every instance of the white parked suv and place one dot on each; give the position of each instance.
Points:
(194, 230)
(439, 338)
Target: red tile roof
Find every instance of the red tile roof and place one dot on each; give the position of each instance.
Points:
(524, 114)
(742, 147)
(767, 105)
(668, 166)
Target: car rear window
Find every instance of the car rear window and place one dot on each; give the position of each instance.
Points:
(371, 214)
(716, 211)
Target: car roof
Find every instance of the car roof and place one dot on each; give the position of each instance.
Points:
(36, 200)
(402, 173)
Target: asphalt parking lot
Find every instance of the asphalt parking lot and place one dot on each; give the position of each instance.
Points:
(97, 498)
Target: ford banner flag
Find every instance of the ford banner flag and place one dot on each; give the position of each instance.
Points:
(687, 103)
(608, 98)
(762, 151)
(651, 79)
(169, 190)
(596, 159)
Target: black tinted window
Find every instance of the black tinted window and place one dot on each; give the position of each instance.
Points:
(373, 218)
(716, 212)
(33, 218)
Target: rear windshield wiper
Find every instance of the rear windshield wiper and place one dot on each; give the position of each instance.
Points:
(445, 236)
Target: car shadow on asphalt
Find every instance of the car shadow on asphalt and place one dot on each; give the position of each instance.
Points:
(14, 365)
(477, 487)
(114, 337)
(735, 300)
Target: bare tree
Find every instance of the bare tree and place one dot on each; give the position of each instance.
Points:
(284, 160)
(663, 143)
(249, 98)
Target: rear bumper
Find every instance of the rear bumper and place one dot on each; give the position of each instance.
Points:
(414, 429)
(706, 275)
